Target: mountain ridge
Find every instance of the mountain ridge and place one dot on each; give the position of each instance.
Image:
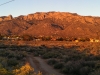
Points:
(62, 24)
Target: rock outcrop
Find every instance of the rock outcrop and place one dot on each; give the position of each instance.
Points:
(5, 18)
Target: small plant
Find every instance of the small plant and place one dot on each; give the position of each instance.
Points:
(26, 70)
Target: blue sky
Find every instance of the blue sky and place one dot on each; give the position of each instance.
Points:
(24, 7)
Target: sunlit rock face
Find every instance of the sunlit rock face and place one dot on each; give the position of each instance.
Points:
(5, 18)
(62, 24)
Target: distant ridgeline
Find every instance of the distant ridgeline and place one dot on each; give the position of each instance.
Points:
(40, 16)
(56, 24)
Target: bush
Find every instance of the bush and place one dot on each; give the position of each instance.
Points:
(36, 54)
(97, 65)
(89, 63)
(41, 52)
(67, 58)
(64, 70)
(11, 55)
(58, 66)
(72, 67)
(52, 62)
(19, 57)
(12, 62)
(25, 70)
(50, 55)
(96, 72)
(3, 71)
(84, 70)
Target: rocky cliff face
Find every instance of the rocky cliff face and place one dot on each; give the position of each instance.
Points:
(63, 24)
(5, 18)
(61, 16)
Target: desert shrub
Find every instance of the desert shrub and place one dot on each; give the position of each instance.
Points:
(64, 70)
(89, 63)
(97, 65)
(67, 58)
(75, 57)
(72, 67)
(12, 62)
(72, 56)
(38, 51)
(30, 50)
(11, 55)
(36, 54)
(77, 65)
(97, 57)
(58, 65)
(87, 58)
(3, 53)
(47, 55)
(96, 72)
(41, 52)
(52, 61)
(19, 57)
(50, 55)
(68, 70)
(84, 70)
(4, 71)
(25, 70)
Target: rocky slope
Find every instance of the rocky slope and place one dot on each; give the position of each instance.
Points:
(63, 24)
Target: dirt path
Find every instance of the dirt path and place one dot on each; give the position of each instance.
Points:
(40, 65)
(36, 69)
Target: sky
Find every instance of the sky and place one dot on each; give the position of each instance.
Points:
(25, 7)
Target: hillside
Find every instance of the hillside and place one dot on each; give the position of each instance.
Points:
(63, 24)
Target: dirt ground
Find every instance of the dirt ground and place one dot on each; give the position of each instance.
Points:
(39, 64)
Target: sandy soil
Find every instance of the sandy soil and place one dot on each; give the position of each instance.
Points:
(40, 65)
